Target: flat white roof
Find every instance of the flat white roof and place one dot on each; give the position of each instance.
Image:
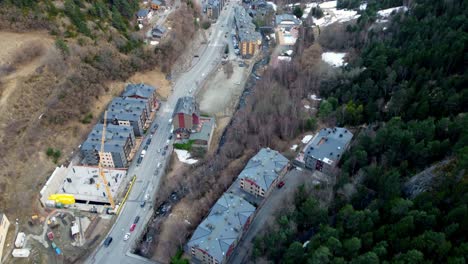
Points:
(78, 182)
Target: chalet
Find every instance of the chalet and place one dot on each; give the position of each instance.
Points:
(144, 15)
(186, 117)
(158, 32)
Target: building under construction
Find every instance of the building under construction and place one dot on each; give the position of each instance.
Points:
(84, 185)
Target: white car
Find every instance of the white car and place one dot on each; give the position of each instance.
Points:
(143, 153)
(127, 236)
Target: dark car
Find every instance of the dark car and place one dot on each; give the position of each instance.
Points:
(164, 153)
(170, 137)
(139, 160)
(166, 147)
(143, 204)
(107, 241)
(148, 141)
(145, 147)
(136, 219)
(280, 184)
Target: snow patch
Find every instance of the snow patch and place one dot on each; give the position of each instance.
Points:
(333, 15)
(294, 147)
(385, 13)
(363, 6)
(328, 5)
(307, 138)
(335, 59)
(315, 98)
(184, 156)
(307, 107)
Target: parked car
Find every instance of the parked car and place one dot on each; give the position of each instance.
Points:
(127, 236)
(170, 137)
(136, 220)
(170, 121)
(145, 147)
(139, 160)
(164, 153)
(280, 184)
(132, 227)
(107, 241)
(166, 147)
(142, 204)
(143, 152)
(148, 141)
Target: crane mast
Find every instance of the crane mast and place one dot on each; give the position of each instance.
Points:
(101, 157)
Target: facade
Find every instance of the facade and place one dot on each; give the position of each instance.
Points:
(326, 148)
(129, 112)
(217, 235)
(249, 39)
(142, 91)
(4, 225)
(118, 144)
(186, 117)
(143, 15)
(287, 29)
(262, 172)
(155, 4)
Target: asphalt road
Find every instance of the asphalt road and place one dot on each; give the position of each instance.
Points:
(147, 180)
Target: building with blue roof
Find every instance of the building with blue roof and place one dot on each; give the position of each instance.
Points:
(142, 91)
(262, 172)
(129, 112)
(326, 148)
(118, 144)
(217, 235)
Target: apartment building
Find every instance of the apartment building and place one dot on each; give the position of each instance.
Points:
(142, 91)
(217, 235)
(118, 144)
(262, 172)
(249, 39)
(4, 225)
(129, 112)
(287, 29)
(325, 149)
(186, 117)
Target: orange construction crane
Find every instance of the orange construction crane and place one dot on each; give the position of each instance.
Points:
(101, 157)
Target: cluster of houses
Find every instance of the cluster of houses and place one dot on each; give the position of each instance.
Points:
(248, 38)
(215, 238)
(127, 118)
(145, 14)
(189, 125)
(217, 235)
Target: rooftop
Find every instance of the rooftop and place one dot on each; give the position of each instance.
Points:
(126, 108)
(329, 144)
(142, 13)
(116, 136)
(156, 2)
(205, 130)
(287, 19)
(186, 105)
(264, 167)
(141, 90)
(245, 27)
(222, 226)
(81, 182)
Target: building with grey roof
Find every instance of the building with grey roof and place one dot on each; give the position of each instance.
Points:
(128, 112)
(202, 137)
(325, 149)
(118, 144)
(158, 32)
(262, 172)
(217, 235)
(287, 29)
(186, 116)
(249, 39)
(142, 91)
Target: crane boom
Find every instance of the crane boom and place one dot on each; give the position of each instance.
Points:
(101, 170)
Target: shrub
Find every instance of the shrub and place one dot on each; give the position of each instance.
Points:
(206, 24)
(87, 119)
(185, 146)
(62, 46)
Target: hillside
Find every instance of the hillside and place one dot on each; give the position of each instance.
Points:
(61, 63)
(404, 90)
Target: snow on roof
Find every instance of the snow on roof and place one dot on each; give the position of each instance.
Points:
(335, 59)
(272, 5)
(328, 5)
